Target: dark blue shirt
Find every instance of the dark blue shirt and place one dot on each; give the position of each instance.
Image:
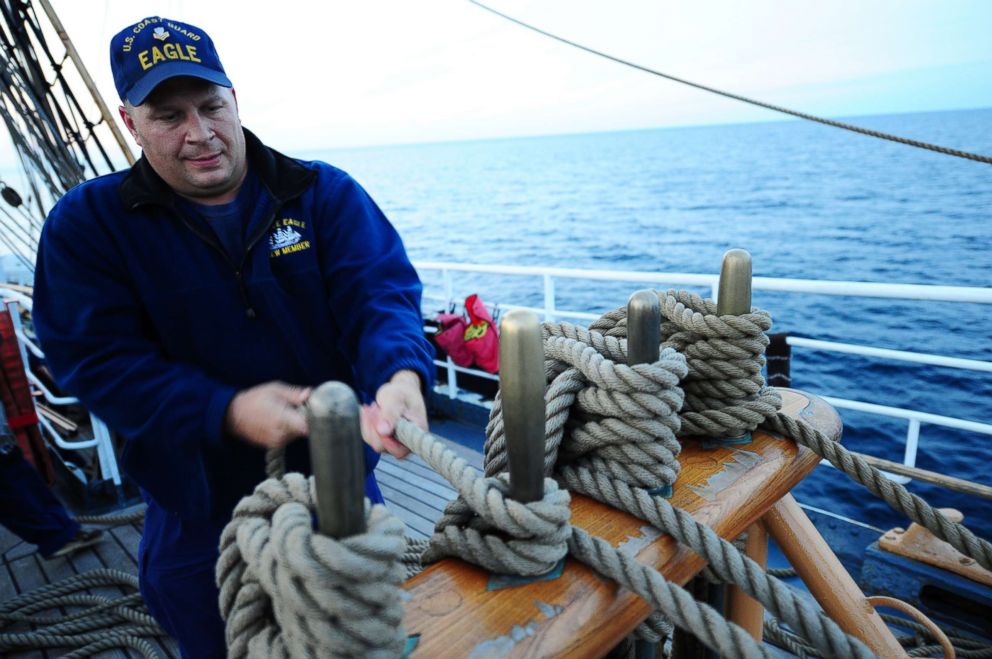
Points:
(228, 221)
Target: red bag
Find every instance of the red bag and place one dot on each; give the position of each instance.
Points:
(451, 337)
(481, 336)
(15, 396)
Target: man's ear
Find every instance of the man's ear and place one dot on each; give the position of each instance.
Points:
(129, 124)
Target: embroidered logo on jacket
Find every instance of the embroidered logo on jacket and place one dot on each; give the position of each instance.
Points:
(285, 239)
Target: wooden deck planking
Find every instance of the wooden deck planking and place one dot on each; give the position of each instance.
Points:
(416, 493)
(417, 525)
(27, 576)
(24, 570)
(415, 475)
(56, 570)
(433, 494)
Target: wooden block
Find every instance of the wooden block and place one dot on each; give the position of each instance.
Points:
(581, 614)
(920, 544)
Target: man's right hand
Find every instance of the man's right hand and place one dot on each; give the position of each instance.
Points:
(269, 415)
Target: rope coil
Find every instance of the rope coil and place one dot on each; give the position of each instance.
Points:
(107, 622)
(286, 591)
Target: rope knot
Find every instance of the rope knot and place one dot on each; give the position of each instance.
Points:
(484, 526)
(340, 597)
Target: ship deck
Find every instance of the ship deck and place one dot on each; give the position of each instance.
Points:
(413, 491)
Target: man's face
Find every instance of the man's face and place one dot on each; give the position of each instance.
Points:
(191, 134)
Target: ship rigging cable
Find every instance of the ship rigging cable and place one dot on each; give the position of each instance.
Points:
(56, 143)
(775, 108)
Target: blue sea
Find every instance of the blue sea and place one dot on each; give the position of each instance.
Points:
(806, 200)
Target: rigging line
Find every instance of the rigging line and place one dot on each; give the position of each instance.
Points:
(36, 120)
(31, 20)
(776, 108)
(17, 252)
(17, 230)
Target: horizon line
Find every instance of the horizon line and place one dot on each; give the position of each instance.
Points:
(525, 136)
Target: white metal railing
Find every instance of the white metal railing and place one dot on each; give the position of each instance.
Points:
(914, 418)
(101, 440)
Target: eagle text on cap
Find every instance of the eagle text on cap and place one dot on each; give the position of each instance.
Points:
(168, 51)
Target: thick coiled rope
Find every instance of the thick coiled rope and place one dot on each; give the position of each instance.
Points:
(724, 559)
(106, 623)
(496, 532)
(604, 448)
(286, 591)
(673, 602)
(568, 352)
(725, 394)
(622, 419)
(114, 519)
(897, 496)
(722, 346)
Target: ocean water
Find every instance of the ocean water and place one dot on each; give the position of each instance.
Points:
(807, 201)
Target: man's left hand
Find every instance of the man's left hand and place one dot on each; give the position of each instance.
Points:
(400, 397)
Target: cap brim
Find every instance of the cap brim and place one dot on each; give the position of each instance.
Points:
(166, 70)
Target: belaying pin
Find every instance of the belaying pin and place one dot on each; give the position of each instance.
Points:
(521, 381)
(643, 328)
(644, 342)
(734, 295)
(337, 459)
(734, 299)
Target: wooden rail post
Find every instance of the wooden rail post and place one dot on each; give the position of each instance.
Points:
(741, 607)
(521, 381)
(826, 578)
(337, 459)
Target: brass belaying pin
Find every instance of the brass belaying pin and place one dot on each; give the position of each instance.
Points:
(643, 328)
(734, 299)
(734, 295)
(521, 381)
(337, 459)
(644, 342)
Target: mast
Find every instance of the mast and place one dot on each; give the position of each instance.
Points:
(57, 121)
(87, 80)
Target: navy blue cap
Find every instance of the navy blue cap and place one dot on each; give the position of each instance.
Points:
(155, 49)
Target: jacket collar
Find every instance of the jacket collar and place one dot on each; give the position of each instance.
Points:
(284, 177)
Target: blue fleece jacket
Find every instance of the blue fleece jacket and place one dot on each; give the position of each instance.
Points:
(146, 319)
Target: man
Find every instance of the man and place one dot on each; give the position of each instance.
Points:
(192, 301)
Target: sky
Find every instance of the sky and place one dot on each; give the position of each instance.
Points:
(340, 74)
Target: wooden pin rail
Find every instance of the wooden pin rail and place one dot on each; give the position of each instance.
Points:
(581, 614)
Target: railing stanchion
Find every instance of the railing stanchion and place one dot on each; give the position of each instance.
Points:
(449, 286)
(549, 299)
(452, 379)
(521, 359)
(337, 459)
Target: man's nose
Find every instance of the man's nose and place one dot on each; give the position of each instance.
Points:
(198, 128)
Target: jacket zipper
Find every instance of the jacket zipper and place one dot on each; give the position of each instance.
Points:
(239, 273)
(238, 268)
